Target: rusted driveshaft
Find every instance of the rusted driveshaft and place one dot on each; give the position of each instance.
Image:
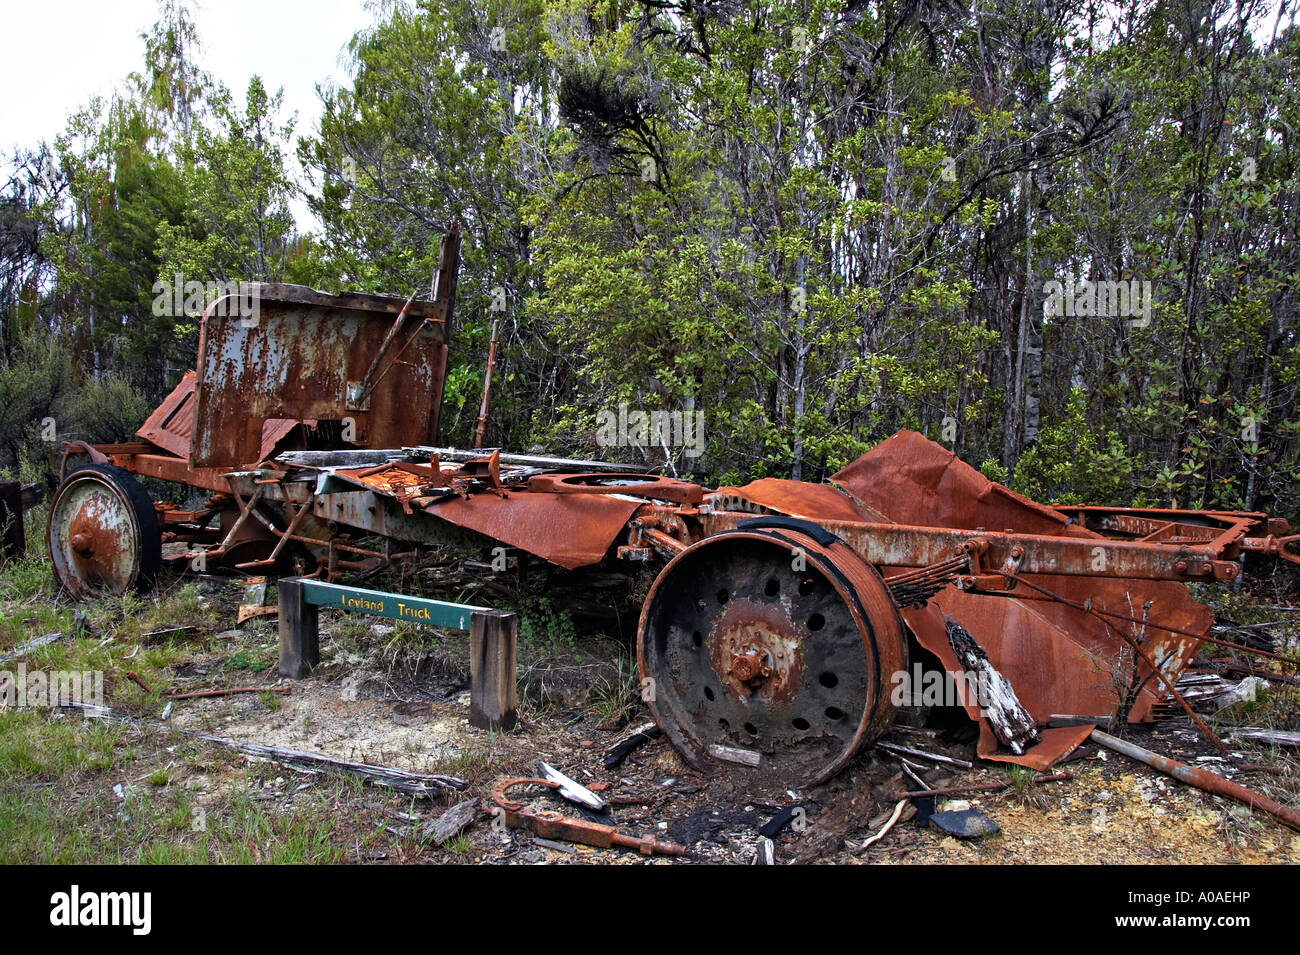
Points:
(1200, 778)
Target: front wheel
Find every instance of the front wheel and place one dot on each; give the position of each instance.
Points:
(103, 533)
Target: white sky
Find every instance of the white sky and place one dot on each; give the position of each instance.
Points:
(60, 53)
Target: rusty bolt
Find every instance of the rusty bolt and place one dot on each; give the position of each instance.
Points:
(1181, 566)
(751, 664)
(82, 543)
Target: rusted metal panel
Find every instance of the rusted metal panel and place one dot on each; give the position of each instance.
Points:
(1059, 659)
(306, 361)
(820, 502)
(172, 469)
(171, 426)
(570, 530)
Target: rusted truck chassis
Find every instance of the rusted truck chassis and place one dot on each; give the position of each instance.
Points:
(785, 627)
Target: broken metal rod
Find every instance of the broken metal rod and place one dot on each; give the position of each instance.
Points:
(1200, 778)
(550, 825)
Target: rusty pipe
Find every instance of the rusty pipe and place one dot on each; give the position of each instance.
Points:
(1200, 778)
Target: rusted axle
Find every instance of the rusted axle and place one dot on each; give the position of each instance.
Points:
(1199, 778)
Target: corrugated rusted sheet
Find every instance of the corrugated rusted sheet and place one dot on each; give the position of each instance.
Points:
(1059, 660)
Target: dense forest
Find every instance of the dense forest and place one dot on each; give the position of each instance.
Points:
(1060, 238)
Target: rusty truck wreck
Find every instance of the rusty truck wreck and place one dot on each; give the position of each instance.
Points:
(783, 612)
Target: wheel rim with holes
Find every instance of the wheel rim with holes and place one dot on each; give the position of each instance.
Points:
(103, 533)
(768, 647)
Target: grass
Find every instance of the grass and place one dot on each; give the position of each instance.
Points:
(616, 699)
(58, 802)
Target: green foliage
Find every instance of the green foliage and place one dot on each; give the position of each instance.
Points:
(1073, 463)
(812, 226)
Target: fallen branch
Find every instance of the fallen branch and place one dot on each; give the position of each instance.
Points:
(1276, 737)
(898, 811)
(31, 645)
(983, 787)
(225, 691)
(401, 780)
(1200, 778)
(932, 757)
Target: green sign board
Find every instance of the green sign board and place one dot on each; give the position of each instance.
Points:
(435, 613)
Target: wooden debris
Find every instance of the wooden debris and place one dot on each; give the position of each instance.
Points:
(167, 633)
(1007, 717)
(1276, 737)
(226, 691)
(30, 645)
(451, 823)
(932, 757)
(620, 750)
(982, 787)
(732, 754)
(766, 854)
(390, 777)
(893, 820)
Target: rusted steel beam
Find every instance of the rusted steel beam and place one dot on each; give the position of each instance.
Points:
(1008, 553)
(1200, 778)
(176, 470)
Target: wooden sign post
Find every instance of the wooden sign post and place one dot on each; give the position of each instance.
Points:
(494, 637)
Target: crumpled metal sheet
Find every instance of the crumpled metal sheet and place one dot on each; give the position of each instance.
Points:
(797, 499)
(570, 530)
(1059, 659)
(171, 425)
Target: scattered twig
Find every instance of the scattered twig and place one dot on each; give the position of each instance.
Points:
(982, 787)
(401, 780)
(1276, 737)
(898, 811)
(932, 757)
(30, 645)
(225, 691)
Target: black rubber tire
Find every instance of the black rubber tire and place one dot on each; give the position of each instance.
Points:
(149, 546)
